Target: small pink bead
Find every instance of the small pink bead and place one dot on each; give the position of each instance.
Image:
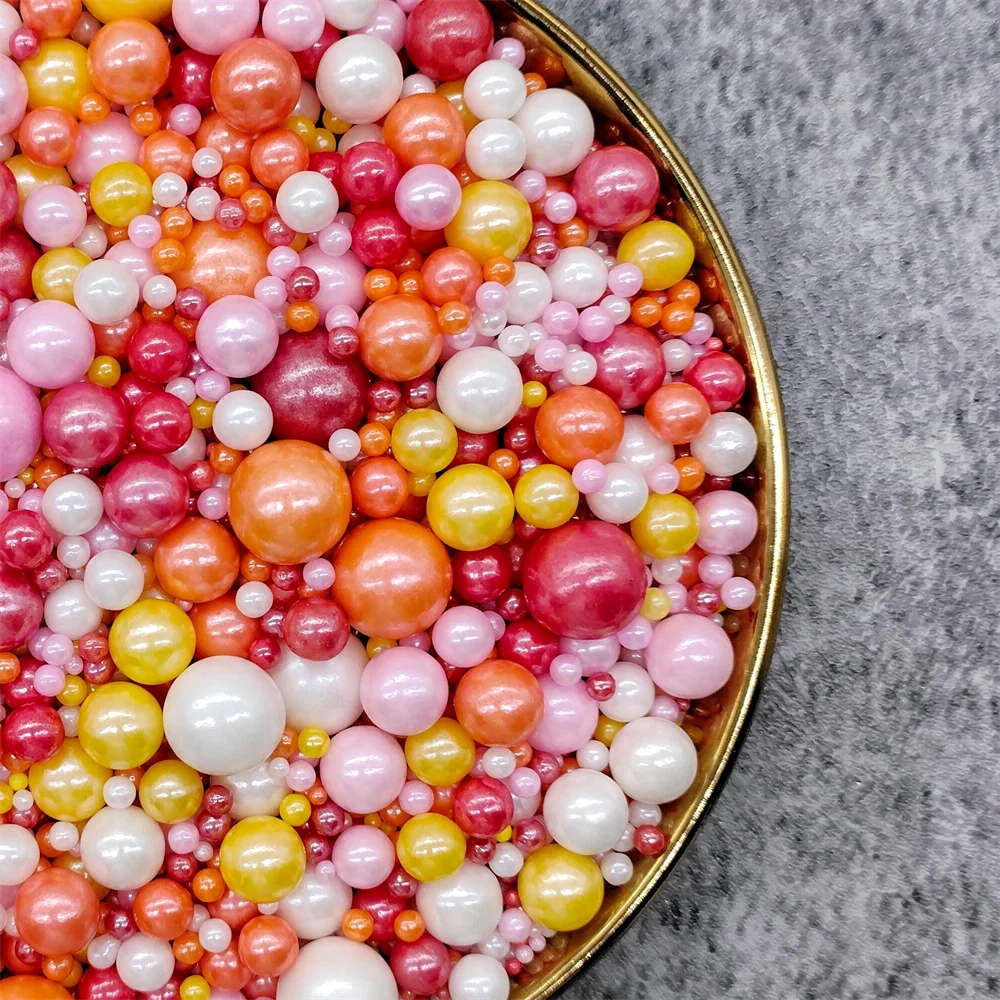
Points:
(341, 315)
(419, 640)
(624, 279)
(213, 503)
(49, 680)
(184, 118)
(318, 574)
(514, 926)
(270, 292)
(525, 782)
(335, 240)
(18, 306)
(491, 296)
(637, 634)
(32, 500)
(560, 319)
(715, 570)
(57, 649)
(211, 385)
(462, 341)
(74, 665)
(37, 641)
(596, 324)
(144, 231)
(589, 476)
(566, 669)
(326, 869)
(560, 207)
(664, 707)
(531, 184)
(551, 354)
(678, 595)
(281, 261)
(508, 50)
(701, 330)
(416, 798)
(182, 838)
(663, 478)
(497, 623)
(301, 776)
(523, 953)
(738, 593)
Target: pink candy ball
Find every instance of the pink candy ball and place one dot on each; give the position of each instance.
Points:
(404, 690)
(50, 344)
(363, 857)
(13, 94)
(428, 196)
(364, 769)
(463, 636)
(213, 25)
(110, 141)
(294, 24)
(20, 424)
(237, 336)
(727, 522)
(568, 719)
(689, 657)
(54, 215)
(341, 279)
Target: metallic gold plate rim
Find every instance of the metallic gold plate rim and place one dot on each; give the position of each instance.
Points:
(772, 461)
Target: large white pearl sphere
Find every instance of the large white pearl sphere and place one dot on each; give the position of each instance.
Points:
(338, 969)
(528, 294)
(653, 760)
(495, 89)
(307, 201)
(462, 908)
(243, 419)
(641, 448)
(316, 906)
(359, 79)
(558, 128)
(349, 15)
(73, 504)
(113, 579)
(257, 791)
(105, 291)
(585, 811)
(69, 611)
(18, 854)
(623, 495)
(634, 693)
(223, 714)
(479, 389)
(321, 693)
(578, 276)
(144, 962)
(122, 848)
(726, 445)
(478, 977)
(495, 149)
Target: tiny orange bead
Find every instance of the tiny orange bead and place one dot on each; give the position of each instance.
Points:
(144, 119)
(522, 754)
(379, 284)
(208, 885)
(677, 319)
(692, 473)
(533, 82)
(302, 316)
(374, 439)
(187, 947)
(410, 283)
(685, 291)
(463, 172)
(48, 471)
(10, 667)
(646, 312)
(454, 317)
(317, 795)
(176, 223)
(412, 261)
(253, 569)
(151, 315)
(288, 744)
(257, 203)
(499, 269)
(187, 326)
(57, 967)
(409, 925)
(169, 255)
(93, 108)
(357, 925)
(505, 462)
(116, 234)
(233, 180)
(224, 459)
(573, 233)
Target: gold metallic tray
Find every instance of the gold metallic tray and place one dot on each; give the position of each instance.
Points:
(741, 327)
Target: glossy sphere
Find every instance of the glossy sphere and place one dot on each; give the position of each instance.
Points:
(70, 784)
(196, 561)
(268, 946)
(666, 527)
(50, 344)
(145, 495)
(255, 84)
(449, 39)
(21, 423)
(545, 496)
(630, 366)
(483, 806)
(289, 502)
(463, 908)
(363, 770)
(49, 136)
(421, 966)
(579, 423)
(223, 262)
(85, 425)
(559, 889)
(152, 641)
(404, 690)
(719, 377)
(128, 61)
(24, 987)
(312, 394)
(337, 969)
(379, 487)
(57, 912)
(221, 629)
(689, 657)
(430, 847)
(394, 555)
(584, 580)
(119, 192)
(33, 733)
(677, 412)
(442, 754)
(585, 811)
(616, 188)
(424, 441)
(57, 76)
(498, 703)
(425, 128)
(399, 337)
(120, 725)
(262, 859)
(661, 250)
(359, 79)
(170, 791)
(493, 220)
(653, 760)
(163, 909)
(20, 609)
(470, 507)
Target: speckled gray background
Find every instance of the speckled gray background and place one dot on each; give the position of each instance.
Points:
(852, 148)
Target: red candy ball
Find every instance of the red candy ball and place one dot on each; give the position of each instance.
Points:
(447, 39)
(145, 496)
(86, 425)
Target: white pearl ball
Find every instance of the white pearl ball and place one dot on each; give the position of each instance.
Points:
(73, 551)
(359, 79)
(18, 854)
(558, 128)
(70, 716)
(507, 861)
(580, 368)
(499, 762)
(726, 445)
(193, 450)
(478, 977)
(223, 714)
(169, 189)
(349, 15)
(214, 935)
(585, 811)
(63, 836)
(119, 792)
(514, 341)
(102, 951)
(159, 291)
(106, 291)
(653, 760)
(256, 792)
(202, 203)
(254, 599)
(358, 134)
(462, 908)
(122, 848)
(113, 579)
(495, 89)
(338, 969)
(578, 276)
(644, 813)
(593, 755)
(641, 449)
(344, 444)
(321, 693)
(307, 201)
(479, 390)
(69, 611)
(207, 162)
(417, 83)
(316, 906)
(145, 963)
(616, 868)
(93, 241)
(495, 149)
(73, 504)
(634, 693)
(242, 419)
(528, 293)
(623, 495)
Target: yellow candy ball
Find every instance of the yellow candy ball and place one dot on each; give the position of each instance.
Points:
(54, 272)
(119, 192)
(470, 507)
(454, 91)
(262, 858)
(104, 370)
(661, 250)
(70, 784)
(295, 809)
(74, 691)
(152, 641)
(302, 126)
(424, 441)
(29, 176)
(656, 604)
(493, 220)
(115, 10)
(57, 75)
(334, 124)
(420, 483)
(171, 791)
(121, 725)
(545, 496)
(313, 742)
(430, 847)
(6, 796)
(202, 412)
(560, 889)
(374, 646)
(18, 781)
(195, 988)
(607, 729)
(442, 754)
(534, 394)
(666, 527)
(322, 140)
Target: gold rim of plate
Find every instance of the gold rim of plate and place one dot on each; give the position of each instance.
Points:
(607, 93)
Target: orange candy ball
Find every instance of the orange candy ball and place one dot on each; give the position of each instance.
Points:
(232, 143)
(425, 128)
(51, 18)
(277, 155)
(399, 337)
(289, 501)
(163, 908)
(129, 61)
(57, 912)
(32, 988)
(223, 262)
(379, 487)
(579, 423)
(221, 629)
(166, 152)
(393, 578)
(451, 275)
(197, 561)
(498, 703)
(255, 84)
(677, 412)
(48, 136)
(268, 946)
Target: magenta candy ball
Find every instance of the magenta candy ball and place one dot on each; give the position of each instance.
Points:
(145, 496)
(569, 717)
(727, 522)
(86, 425)
(50, 344)
(630, 366)
(20, 424)
(110, 141)
(428, 196)
(340, 279)
(463, 636)
(213, 25)
(13, 94)
(404, 690)
(615, 188)
(363, 857)
(584, 580)
(237, 336)
(20, 609)
(689, 656)
(17, 257)
(9, 202)
(364, 769)
(54, 215)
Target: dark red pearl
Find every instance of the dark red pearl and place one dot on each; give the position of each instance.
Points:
(529, 643)
(181, 867)
(719, 377)
(649, 840)
(20, 608)
(190, 78)
(17, 257)
(276, 232)
(329, 164)
(380, 238)
(343, 342)
(474, 448)
(87, 425)
(104, 984)
(18, 956)
(704, 599)
(630, 366)
(264, 652)
(262, 987)
(26, 818)
(545, 765)
(422, 965)
(161, 423)
(511, 605)
(511, 898)
(93, 647)
(25, 539)
(483, 806)
(230, 214)
(529, 835)
(271, 622)
(519, 438)
(24, 44)
(543, 250)
(400, 883)
(212, 828)
(316, 628)
(158, 352)
(100, 672)
(601, 686)
(301, 284)
(200, 475)
(383, 907)
(447, 39)
(133, 389)
(145, 495)
(309, 59)
(217, 800)
(328, 819)
(512, 966)
(190, 303)
(50, 576)
(384, 396)
(318, 848)
(33, 732)
(369, 173)
(120, 923)
(419, 393)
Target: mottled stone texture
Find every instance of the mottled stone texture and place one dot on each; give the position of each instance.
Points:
(852, 149)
